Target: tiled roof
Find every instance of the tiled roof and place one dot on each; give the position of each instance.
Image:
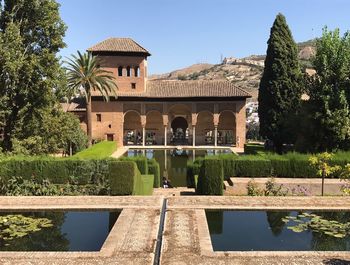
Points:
(118, 45)
(186, 89)
(78, 104)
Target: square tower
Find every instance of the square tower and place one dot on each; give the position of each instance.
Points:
(126, 59)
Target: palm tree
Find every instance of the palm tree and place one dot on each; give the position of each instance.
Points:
(86, 76)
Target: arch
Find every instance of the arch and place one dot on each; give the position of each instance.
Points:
(227, 128)
(205, 128)
(132, 128)
(154, 127)
(179, 127)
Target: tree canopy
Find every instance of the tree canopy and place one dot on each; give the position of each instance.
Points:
(31, 35)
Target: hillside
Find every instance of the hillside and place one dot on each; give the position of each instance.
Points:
(245, 72)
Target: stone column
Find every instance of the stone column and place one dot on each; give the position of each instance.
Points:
(143, 124)
(165, 124)
(194, 135)
(143, 135)
(216, 119)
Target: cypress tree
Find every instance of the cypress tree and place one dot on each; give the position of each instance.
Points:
(280, 86)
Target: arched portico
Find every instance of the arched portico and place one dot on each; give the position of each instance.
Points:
(204, 130)
(132, 128)
(179, 127)
(227, 128)
(154, 128)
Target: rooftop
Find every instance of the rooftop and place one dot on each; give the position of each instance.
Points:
(186, 89)
(125, 45)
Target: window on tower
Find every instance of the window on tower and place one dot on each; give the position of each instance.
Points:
(120, 71)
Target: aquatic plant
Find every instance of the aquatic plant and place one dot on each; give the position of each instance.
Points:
(17, 226)
(309, 221)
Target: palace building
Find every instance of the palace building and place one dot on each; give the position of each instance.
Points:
(147, 112)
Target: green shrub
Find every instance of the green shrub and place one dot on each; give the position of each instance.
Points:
(57, 171)
(211, 177)
(193, 168)
(141, 162)
(229, 164)
(101, 150)
(280, 165)
(300, 166)
(154, 169)
(124, 178)
(253, 149)
(147, 184)
(252, 166)
(253, 189)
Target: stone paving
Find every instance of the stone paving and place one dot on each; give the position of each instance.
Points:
(186, 238)
(313, 185)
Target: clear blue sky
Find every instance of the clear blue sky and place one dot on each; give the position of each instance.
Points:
(179, 33)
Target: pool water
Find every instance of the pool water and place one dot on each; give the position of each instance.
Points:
(232, 230)
(71, 231)
(173, 162)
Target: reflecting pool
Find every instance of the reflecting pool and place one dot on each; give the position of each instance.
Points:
(67, 231)
(275, 230)
(173, 162)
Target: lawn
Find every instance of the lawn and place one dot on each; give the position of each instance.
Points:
(98, 151)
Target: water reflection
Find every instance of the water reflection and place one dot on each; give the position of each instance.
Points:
(265, 231)
(173, 162)
(71, 231)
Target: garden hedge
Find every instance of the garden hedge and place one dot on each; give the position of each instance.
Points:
(124, 178)
(58, 171)
(290, 165)
(141, 162)
(147, 187)
(154, 169)
(211, 177)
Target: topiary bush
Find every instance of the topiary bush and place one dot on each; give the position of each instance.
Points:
(147, 185)
(154, 169)
(124, 178)
(252, 166)
(253, 149)
(57, 171)
(141, 162)
(211, 177)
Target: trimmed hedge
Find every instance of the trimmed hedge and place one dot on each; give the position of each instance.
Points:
(124, 178)
(154, 169)
(253, 149)
(290, 165)
(252, 166)
(58, 171)
(193, 168)
(147, 187)
(141, 162)
(211, 177)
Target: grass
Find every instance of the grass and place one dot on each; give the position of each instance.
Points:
(98, 151)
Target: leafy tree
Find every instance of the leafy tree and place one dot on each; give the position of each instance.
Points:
(54, 132)
(31, 34)
(327, 112)
(85, 74)
(321, 162)
(280, 87)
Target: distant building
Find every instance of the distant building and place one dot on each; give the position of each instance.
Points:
(161, 112)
